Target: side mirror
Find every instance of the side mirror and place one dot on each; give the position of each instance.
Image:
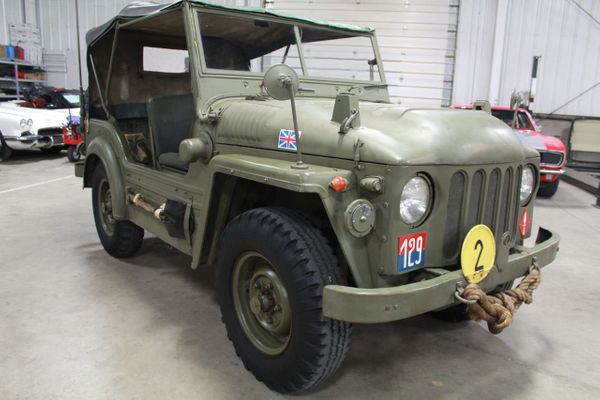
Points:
(281, 82)
(194, 149)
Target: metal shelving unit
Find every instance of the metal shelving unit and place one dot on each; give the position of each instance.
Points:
(16, 65)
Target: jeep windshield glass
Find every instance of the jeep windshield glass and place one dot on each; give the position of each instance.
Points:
(251, 45)
(334, 55)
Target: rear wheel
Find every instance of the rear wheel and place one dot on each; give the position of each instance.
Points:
(119, 238)
(273, 265)
(548, 189)
(73, 154)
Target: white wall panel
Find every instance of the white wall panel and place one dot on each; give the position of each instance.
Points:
(565, 36)
(416, 38)
(11, 12)
(474, 48)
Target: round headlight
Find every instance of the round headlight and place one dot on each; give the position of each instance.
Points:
(23, 123)
(527, 184)
(30, 122)
(414, 200)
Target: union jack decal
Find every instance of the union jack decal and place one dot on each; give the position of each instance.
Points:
(287, 140)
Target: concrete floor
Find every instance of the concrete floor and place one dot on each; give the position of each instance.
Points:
(78, 324)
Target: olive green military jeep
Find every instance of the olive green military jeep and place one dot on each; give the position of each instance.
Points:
(247, 139)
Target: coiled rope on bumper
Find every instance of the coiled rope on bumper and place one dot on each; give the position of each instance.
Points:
(498, 309)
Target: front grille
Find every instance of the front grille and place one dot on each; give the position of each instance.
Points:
(551, 158)
(488, 196)
(50, 132)
(55, 133)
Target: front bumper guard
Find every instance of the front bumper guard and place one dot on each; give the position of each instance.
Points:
(395, 303)
(544, 171)
(23, 138)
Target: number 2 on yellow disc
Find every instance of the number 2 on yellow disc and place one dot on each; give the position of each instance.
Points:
(478, 253)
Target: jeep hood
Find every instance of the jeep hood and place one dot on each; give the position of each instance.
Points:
(390, 134)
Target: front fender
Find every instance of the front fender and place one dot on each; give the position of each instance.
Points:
(280, 173)
(9, 126)
(314, 179)
(101, 148)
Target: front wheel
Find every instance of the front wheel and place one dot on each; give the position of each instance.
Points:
(119, 238)
(548, 189)
(73, 154)
(5, 151)
(273, 265)
(52, 150)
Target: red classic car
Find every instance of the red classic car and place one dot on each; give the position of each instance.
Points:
(552, 150)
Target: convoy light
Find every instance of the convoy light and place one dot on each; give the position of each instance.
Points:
(527, 184)
(339, 184)
(360, 217)
(415, 200)
(524, 224)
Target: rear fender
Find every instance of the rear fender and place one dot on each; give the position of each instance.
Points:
(101, 150)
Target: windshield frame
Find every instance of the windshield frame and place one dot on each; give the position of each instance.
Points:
(305, 76)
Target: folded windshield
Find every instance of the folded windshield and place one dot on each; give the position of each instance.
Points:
(251, 45)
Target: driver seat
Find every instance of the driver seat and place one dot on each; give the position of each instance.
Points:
(171, 119)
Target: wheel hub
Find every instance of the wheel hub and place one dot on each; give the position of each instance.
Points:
(261, 303)
(106, 208)
(264, 296)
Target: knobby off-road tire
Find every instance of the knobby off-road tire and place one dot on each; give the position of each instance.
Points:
(119, 238)
(548, 190)
(273, 264)
(73, 154)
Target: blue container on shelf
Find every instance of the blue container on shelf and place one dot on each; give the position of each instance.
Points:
(10, 52)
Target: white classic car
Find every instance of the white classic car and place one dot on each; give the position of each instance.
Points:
(24, 127)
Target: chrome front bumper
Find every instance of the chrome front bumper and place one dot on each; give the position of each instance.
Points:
(32, 142)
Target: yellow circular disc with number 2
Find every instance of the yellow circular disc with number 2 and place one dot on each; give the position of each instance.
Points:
(478, 253)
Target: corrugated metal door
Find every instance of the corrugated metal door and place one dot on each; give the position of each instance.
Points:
(417, 39)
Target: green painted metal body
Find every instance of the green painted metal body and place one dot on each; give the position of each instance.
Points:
(392, 142)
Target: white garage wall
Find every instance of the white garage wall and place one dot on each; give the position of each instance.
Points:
(15, 12)
(497, 40)
(416, 38)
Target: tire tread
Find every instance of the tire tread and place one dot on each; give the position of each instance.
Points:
(308, 244)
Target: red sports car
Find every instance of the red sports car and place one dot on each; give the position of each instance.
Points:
(552, 150)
